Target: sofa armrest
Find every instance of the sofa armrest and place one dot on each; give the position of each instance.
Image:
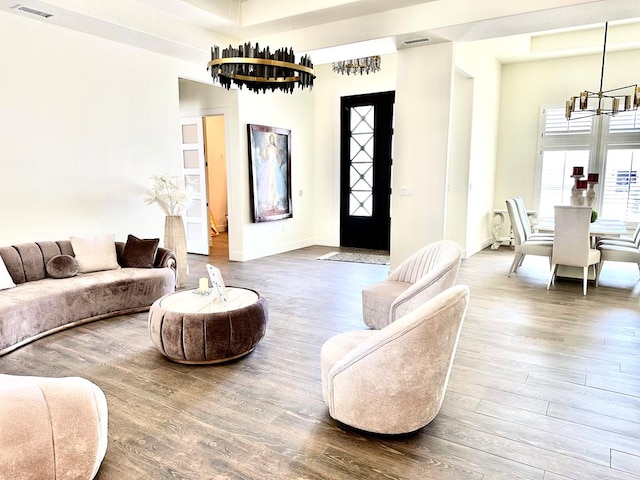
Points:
(165, 258)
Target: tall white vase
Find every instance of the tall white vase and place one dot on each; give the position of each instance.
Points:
(591, 195)
(176, 240)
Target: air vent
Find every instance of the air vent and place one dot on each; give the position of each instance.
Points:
(417, 41)
(32, 11)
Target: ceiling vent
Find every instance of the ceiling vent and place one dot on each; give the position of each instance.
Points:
(32, 11)
(417, 41)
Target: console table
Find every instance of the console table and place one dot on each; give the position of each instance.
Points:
(499, 238)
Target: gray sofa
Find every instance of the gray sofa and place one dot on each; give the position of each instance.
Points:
(40, 305)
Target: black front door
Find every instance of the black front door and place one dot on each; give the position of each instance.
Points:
(366, 130)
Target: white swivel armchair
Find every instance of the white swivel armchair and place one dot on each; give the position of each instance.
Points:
(572, 242)
(394, 380)
(423, 275)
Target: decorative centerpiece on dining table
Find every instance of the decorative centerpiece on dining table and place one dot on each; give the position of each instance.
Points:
(578, 187)
(173, 194)
(579, 193)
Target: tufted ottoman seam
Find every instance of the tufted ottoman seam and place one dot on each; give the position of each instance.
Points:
(204, 339)
(231, 339)
(184, 345)
(53, 438)
(161, 337)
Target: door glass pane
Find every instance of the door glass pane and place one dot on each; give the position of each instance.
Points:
(194, 182)
(194, 208)
(620, 188)
(190, 133)
(190, 158)
(360, 204)
(361, 155)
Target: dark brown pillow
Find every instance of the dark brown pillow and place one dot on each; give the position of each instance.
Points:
(62, 266)
(139, 253)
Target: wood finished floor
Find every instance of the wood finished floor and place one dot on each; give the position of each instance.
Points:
(545, 384)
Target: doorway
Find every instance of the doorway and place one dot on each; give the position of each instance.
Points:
(204, 167)
(366, 137)
(216, 168)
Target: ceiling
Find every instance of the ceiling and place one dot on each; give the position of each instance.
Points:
(517, 30)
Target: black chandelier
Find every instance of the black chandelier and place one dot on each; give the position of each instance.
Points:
(260, 70)
(604, 102)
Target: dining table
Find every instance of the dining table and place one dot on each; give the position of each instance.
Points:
(604, 227)
(600, 228)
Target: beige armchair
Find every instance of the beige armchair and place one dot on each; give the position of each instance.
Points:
(51, 428)
(423, 275)
(572, 242)
(393, 380)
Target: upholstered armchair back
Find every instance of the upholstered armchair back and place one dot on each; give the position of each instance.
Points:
(428, 258)
(430, 271)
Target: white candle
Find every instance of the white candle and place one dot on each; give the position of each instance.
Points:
(203, 285)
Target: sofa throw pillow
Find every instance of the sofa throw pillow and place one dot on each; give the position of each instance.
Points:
(94, 254)
(62, 266)
(139, 253)
(5, 279)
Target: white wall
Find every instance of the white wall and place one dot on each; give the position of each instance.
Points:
(423, 99)
(459, 154)
(84, 123)
(293, 112)
(203, 98)
(476, 60)
(328, 88)
(527, 86)
(248, 240)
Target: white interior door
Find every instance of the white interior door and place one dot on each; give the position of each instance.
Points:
(193, 169)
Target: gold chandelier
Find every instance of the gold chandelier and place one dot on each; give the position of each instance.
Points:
(604, 102)
(358, 65)
(260, 70)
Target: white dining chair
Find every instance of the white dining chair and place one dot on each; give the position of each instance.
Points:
(524, 247)
(529, 234)
(572, 244)
(634, 241)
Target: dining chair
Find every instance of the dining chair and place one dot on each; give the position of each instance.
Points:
(617, 253)
(572, 243)
(524, 247)
(529, 234)
(634, 241)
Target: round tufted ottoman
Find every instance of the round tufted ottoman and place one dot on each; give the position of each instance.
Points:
(197, 329)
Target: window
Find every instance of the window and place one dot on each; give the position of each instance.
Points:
(621, 191)
(600, 144)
